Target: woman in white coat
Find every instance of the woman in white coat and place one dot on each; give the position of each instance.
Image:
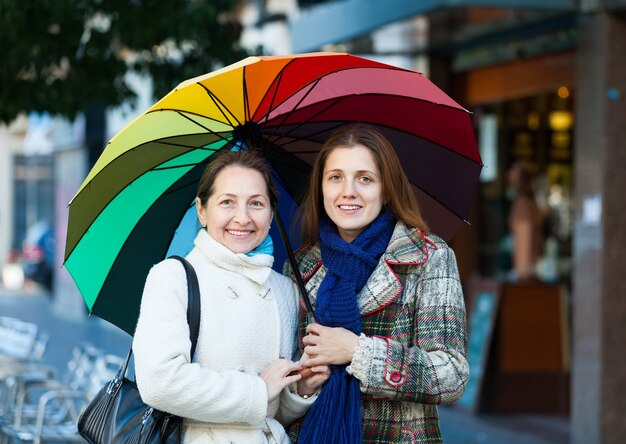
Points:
(239, 387)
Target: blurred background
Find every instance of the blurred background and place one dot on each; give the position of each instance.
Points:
(541, 258)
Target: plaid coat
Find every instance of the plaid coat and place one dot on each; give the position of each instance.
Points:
(411, 355)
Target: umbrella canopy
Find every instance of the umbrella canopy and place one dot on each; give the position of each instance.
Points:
(124, 217)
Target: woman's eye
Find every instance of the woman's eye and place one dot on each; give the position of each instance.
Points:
(226, 202)
(365, 179)
(257, 204)
(334, 178)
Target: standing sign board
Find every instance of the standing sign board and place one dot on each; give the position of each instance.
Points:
(485, 299)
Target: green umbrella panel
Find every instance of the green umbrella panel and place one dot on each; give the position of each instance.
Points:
(126, 237)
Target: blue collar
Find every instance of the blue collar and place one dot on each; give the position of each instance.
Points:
(265, 247)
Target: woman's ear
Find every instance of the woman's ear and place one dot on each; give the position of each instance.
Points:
(200, 211)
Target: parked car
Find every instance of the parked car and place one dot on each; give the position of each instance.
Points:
(38, 254)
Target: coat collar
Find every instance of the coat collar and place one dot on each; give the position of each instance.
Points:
(406, 247)
(257, 268)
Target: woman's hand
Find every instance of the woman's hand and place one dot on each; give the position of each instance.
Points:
(329, 345)
(276, 376)
(310, 384)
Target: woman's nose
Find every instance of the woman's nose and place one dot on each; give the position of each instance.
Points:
(242, 216)
(348, 190)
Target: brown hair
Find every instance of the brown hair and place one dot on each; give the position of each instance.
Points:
(397, 193)
(244, 159)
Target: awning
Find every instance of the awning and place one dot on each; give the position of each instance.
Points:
(342, 20)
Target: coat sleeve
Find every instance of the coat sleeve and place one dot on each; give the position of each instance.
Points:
(166, 377)
(292, 406)
(434, 369)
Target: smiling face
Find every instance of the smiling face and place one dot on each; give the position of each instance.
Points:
(351, 189)
(238, 213)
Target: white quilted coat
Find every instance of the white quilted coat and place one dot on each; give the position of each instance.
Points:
(248, 319)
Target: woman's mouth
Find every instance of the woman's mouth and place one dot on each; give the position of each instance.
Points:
(239, 233)
(349, 207)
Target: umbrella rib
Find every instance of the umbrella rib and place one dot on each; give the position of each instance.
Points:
(246, 100)
(269, 150)
(185, 165)
(157, 168)
(204, 162)
(312, 87)
(343, 122)
(326, 73)
(306, 121)
(337, 100)
(312, 84)
(186, 113)
(281, 181)
(308, 136)
(108, 273)
(226, 139)
(439, 202)
(162, 142)
(220, 106)
(173, 190)
(278, 80)
(186, 116)
(219, 135)
(295, 140)
(297, 130)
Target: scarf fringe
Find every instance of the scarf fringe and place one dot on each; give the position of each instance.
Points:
(335, 417)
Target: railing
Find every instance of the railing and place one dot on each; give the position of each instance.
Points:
(36, 404)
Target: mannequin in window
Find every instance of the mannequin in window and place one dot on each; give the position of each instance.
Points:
(525, 223)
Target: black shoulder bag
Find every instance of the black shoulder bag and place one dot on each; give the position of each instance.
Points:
(118, 415)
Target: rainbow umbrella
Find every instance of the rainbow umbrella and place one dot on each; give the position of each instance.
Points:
(125, 216)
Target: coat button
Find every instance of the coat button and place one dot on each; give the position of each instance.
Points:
(395, 376)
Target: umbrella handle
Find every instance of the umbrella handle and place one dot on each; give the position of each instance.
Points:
(305, 372)
(294, 265)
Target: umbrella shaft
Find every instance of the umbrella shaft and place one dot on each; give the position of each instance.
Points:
(294, 266)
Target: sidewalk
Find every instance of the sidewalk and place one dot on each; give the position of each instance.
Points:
(64, 331)
(458, 426)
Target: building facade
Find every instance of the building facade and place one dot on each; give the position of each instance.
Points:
(546, 84)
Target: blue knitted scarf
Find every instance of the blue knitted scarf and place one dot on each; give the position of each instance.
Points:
(335, 417)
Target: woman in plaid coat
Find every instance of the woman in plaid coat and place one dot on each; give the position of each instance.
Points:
(369, 255)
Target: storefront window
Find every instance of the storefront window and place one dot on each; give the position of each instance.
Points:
(525, 197)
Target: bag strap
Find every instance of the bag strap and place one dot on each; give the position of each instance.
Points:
(193, 311)
(193, 306)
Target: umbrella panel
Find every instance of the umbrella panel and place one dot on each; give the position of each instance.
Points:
(144, 247)
(115, 171)
(448, 127)
(444, 175)
(90, 261)
(103, 188)
(302, 71)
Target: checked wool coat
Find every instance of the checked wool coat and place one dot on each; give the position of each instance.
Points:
(411, 354)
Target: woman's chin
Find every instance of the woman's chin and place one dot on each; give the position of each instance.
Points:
(240, 247)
